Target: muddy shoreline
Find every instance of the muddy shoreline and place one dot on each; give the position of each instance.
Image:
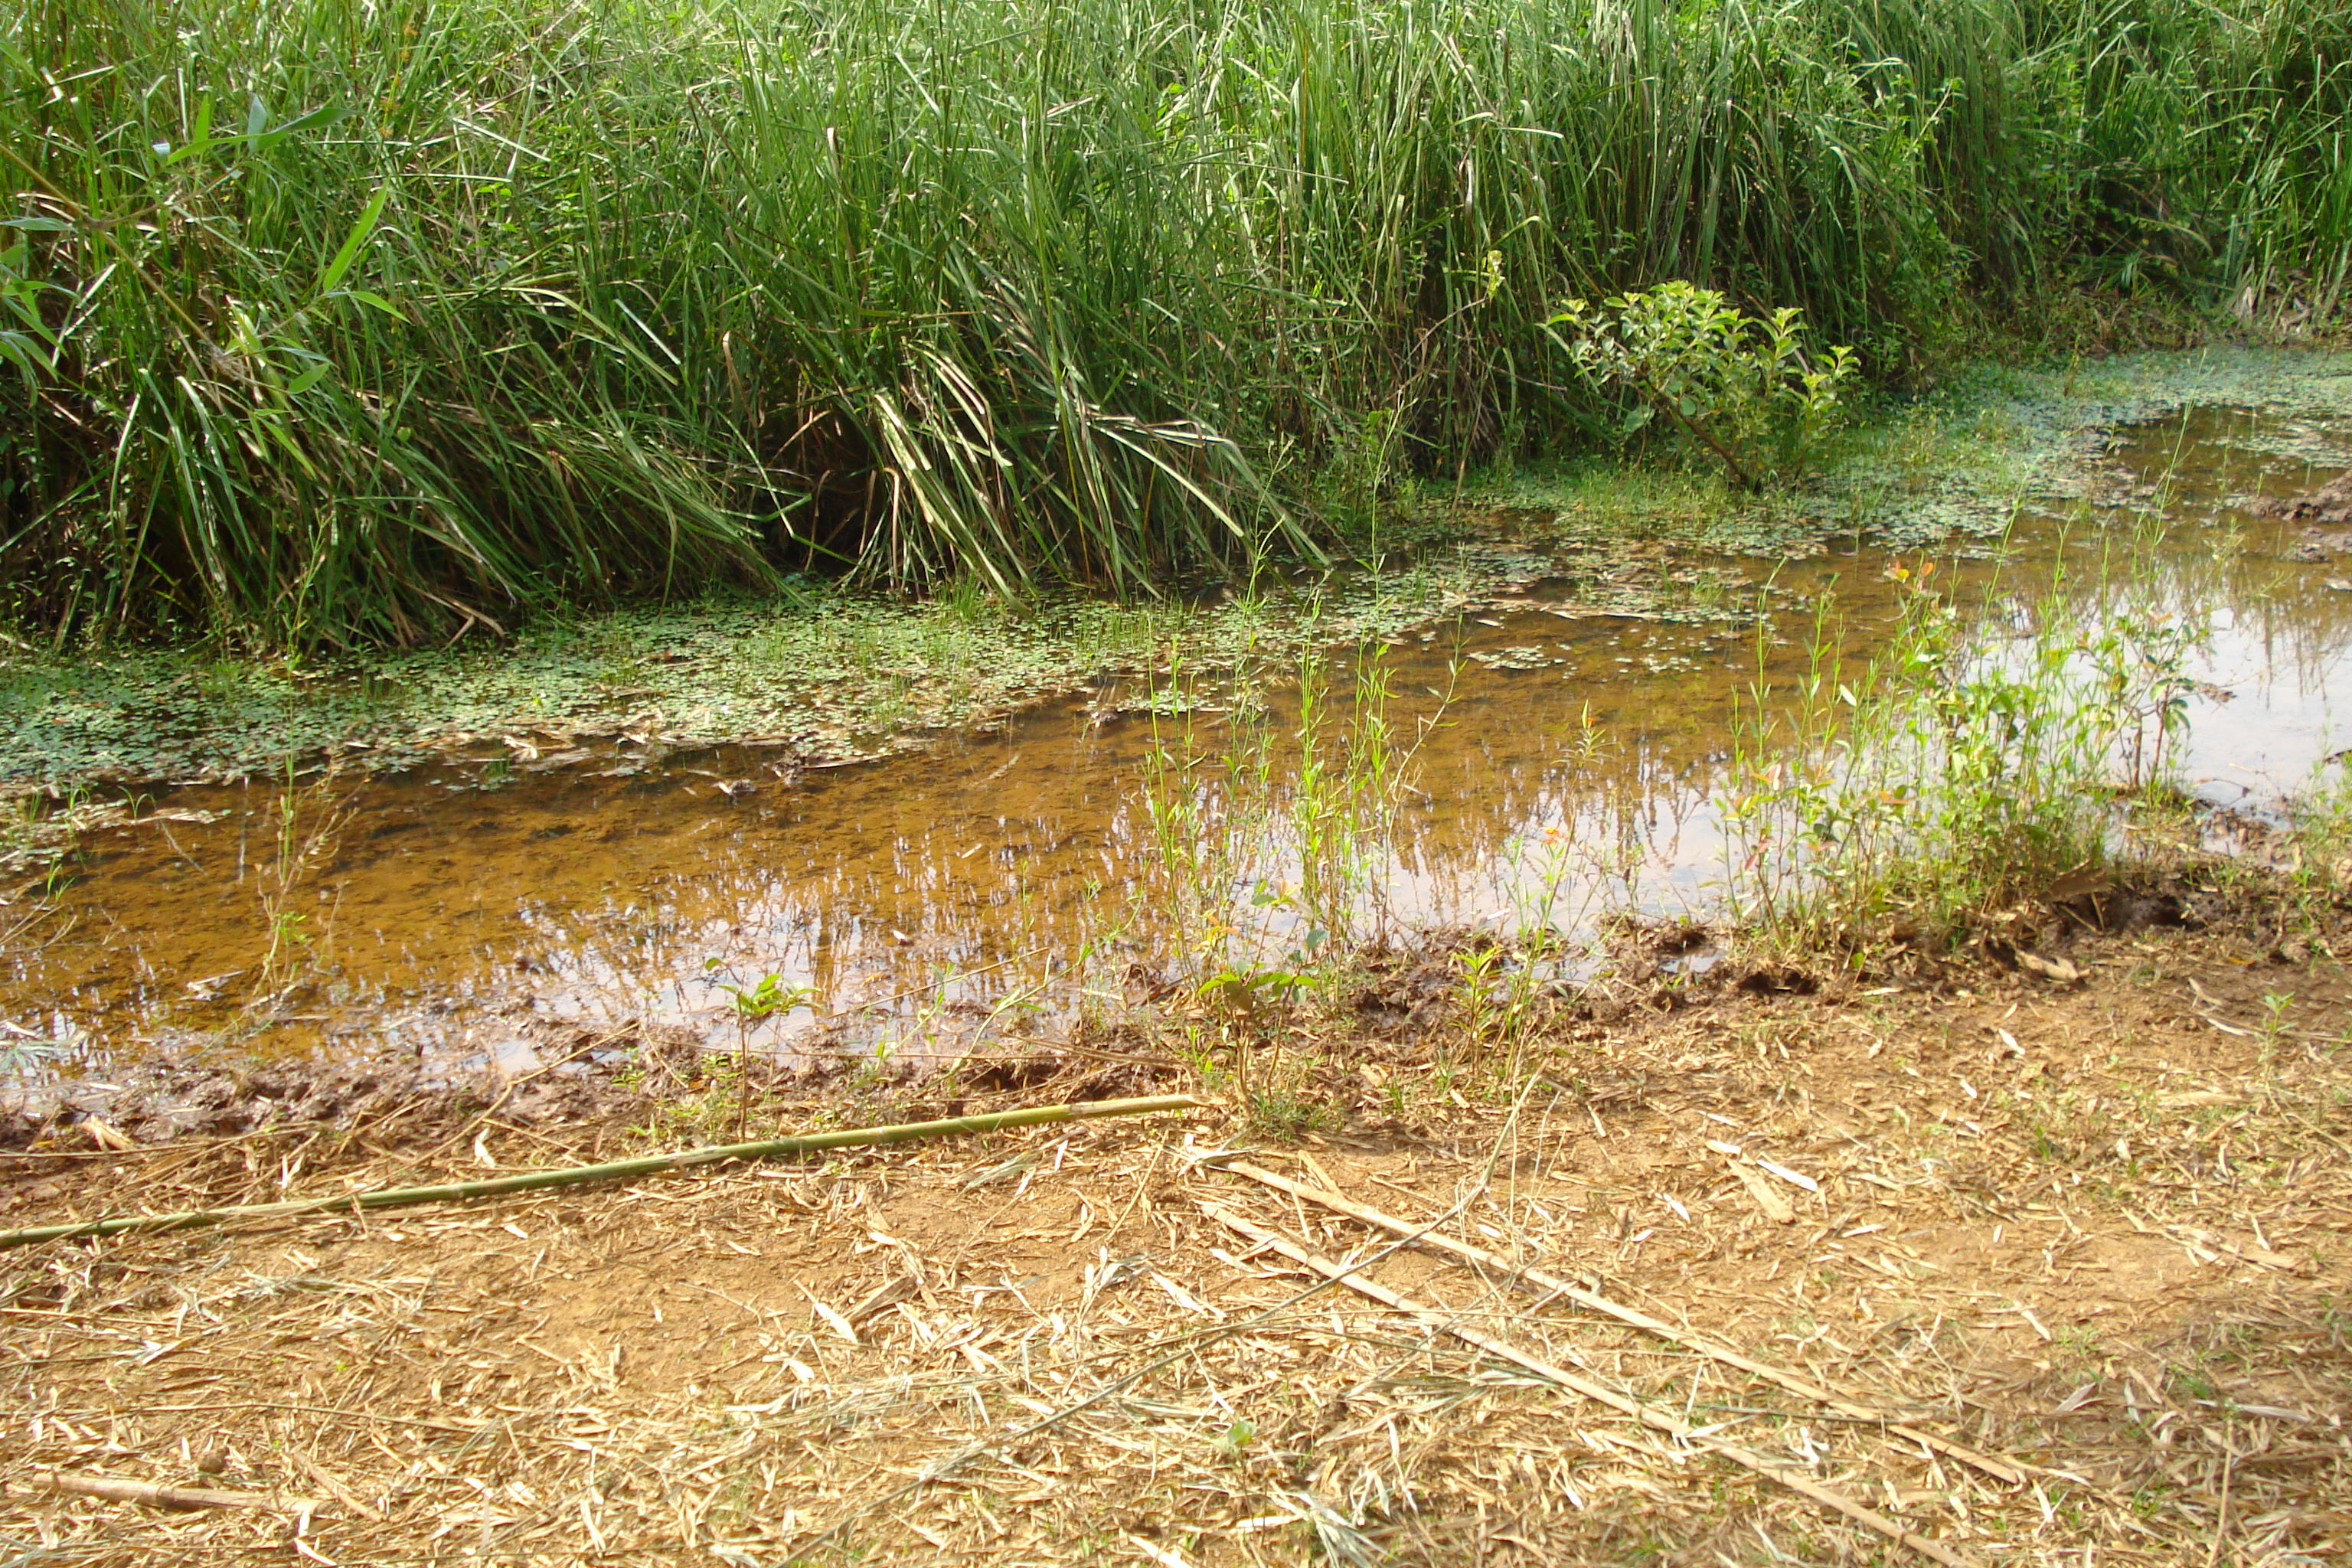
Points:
(2092, 1229)
(561, 1077)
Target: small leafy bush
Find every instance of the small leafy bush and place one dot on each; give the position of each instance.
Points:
(1742, 386)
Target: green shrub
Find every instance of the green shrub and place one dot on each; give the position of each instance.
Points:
(1740, 387)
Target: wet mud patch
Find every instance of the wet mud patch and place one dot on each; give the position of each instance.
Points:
(2329, 504)
(550, 1076)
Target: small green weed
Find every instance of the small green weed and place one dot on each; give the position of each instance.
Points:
(1285, 1116)
(768, 997)
(311, 819)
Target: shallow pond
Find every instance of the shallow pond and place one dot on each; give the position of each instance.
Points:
(1563, 761)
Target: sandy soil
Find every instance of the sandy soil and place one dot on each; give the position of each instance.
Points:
(2084, 1241)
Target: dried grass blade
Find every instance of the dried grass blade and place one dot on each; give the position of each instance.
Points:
(1845, 1401)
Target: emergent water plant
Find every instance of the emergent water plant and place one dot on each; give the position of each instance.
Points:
(1957, 772)
(1271, 855)
(308, 822)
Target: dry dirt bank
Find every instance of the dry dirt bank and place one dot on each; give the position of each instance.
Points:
(2090, 1240)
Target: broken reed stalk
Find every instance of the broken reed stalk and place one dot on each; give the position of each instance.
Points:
(613, 1171)
(114, 1488)
(1846, 1401)
(1438, 1319)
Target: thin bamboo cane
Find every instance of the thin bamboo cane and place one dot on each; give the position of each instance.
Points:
(1600, 1392)
(1846, 1401)
(613, 1171)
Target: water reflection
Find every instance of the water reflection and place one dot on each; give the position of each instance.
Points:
(1567, 771)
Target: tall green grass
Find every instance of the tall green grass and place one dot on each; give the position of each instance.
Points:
(335, 322)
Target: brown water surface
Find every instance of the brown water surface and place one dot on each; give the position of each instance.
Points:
(998, 877)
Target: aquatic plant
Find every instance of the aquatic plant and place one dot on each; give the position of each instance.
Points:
(1267, 860)
(310, 818)
(339, 323)
(1971, 765)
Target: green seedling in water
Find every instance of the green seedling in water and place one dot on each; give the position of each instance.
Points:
(311, 819)
(1252, 859)
(1961, 771)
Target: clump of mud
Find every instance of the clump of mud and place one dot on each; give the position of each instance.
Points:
(587, 1077)
(2331, 503)
(581, 1077)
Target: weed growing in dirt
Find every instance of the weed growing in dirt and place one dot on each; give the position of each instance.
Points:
(766, 998)
(2319, 821)
(1270, 856)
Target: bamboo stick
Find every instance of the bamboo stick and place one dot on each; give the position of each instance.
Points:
(1844, 1402)
(613, 1171)
(1599, 1392)
(114, 1488)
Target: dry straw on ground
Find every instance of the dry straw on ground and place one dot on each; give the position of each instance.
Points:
(2086, 1240)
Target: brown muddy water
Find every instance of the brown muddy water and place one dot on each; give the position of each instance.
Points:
(994, 883)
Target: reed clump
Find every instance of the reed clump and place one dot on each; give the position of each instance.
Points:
(330, 324)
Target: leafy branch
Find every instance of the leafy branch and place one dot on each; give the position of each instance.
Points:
(1742, 386)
